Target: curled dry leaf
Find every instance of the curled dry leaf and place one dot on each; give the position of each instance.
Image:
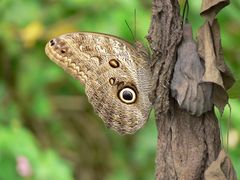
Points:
(216, 72)
(186, 86)
(210, 8)
(207, 52)
(226, 74)
(220, 169)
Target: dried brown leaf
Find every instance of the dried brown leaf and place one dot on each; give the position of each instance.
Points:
(216, 72)
(207, 52)
(210, 8)
(226, 74)
(220, 169)
(186, 86)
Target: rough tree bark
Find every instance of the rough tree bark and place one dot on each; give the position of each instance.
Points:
(187, 145)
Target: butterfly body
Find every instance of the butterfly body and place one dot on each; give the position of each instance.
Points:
(116, 76)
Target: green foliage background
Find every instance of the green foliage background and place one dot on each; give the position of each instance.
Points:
(44, 113)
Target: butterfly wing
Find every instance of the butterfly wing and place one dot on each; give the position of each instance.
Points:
(116, 76)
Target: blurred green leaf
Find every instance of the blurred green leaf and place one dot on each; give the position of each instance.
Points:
(234, 92)
(15, 141)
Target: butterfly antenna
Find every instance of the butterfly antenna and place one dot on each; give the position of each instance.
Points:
(130, 30)
(135, 24)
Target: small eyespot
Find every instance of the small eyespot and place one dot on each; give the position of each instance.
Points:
(112, 81)
(63, 51)
(127, 95)
(114, 63)
(52, 42)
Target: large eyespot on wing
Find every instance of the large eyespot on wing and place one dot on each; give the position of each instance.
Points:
(124, 109)
(119, 104)
(127, 95)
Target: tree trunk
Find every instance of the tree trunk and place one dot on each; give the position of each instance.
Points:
(187, 145)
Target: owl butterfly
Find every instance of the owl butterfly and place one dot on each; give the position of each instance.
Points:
(115, 73)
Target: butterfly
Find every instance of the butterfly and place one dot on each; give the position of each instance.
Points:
(116, 75)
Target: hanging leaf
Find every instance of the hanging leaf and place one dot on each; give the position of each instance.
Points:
(220, 169)
(216, 72)
(210, 8)
(226, 74)
(186, 86)
(207, 52)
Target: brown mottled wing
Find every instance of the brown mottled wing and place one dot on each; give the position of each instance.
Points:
(115, 74)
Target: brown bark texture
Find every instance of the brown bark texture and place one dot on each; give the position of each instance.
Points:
(187, 145)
